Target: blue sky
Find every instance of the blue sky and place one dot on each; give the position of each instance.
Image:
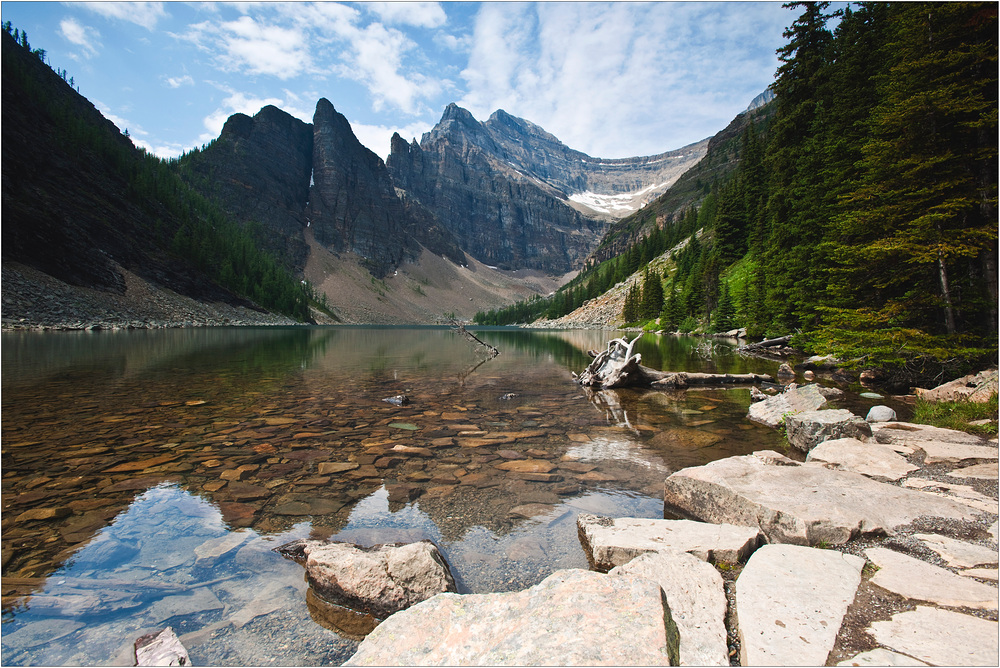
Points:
(610, 79)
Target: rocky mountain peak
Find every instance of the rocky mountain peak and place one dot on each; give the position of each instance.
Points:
(352, 203)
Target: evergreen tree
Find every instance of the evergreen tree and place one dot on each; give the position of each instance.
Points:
(652, 295)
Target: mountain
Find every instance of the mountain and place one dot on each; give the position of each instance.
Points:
(514, 196)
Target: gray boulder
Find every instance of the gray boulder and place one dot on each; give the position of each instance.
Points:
(804, 504)
(378, 580)
(808, 429)
(880, 414)
(572, 617)
(772, 410)
(613, 542)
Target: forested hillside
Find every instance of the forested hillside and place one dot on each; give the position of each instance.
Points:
(864, 217)
(81, 202)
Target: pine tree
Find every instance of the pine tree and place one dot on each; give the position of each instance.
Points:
(652, 295)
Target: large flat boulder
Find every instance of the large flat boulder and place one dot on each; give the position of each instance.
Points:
(772, 411)
(869, 459)
(377, 580)
(958, 553)
(808, 429)
(697, 600)
(790, 603)
(573, 617)
(612, 542)
(918, 580)
(804, 504)
(940, 637)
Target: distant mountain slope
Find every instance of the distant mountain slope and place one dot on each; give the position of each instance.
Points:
(718, 163)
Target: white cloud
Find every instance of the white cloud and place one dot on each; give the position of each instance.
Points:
(144, 14)
(177, 82)
(263, 49)
(418, 14)
(377, 138)
(87, 38)
(618, 79)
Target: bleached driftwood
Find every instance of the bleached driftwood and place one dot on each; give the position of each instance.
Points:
(619, 367)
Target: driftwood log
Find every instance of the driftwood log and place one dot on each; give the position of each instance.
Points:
(618, 366)
(768, 343)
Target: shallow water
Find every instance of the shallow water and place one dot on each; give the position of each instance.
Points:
(148, 475)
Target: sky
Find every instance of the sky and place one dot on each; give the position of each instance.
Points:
(613, 80)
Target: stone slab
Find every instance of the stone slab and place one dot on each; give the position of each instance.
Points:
(697, 600)
(977, 387)
(808, 429)
(790, 603)
(911, 433)
(800, 504)
(772, 411)
(917, 580)
(959, 553)
(573, 617)
(961, 493)
(982, 573)
(881, 657)
(869, 459)
(978, 471)
(614, 542)
(940, 452)
(940, 637)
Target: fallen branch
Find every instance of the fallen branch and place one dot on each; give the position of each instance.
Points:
(768, 343)
(460, 328)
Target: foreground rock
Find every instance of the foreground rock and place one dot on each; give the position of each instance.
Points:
(803, 504)
(808, 429)
(772, 411)
(697, 601)
(940, 637)
(791, 601)
(613, 542)
(378, 580)
(573, 617)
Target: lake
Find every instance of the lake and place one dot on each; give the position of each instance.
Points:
(149, 475)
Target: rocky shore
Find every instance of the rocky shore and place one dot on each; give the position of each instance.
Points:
(865, 543)
(33, 300)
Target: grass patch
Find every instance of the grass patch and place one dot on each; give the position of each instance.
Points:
(958, 414)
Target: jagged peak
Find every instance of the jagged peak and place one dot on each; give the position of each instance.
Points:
(453, 112)
(238, 125)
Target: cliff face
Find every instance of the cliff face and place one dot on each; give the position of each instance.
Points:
(352, 203)
(500, 215)
(258, 170)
